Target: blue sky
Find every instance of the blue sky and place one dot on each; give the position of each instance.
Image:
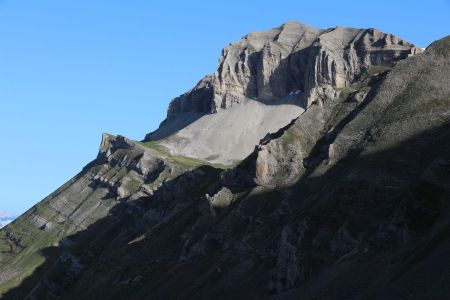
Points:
(70, 70)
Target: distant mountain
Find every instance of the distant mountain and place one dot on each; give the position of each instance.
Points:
(5, 222)
(313, 164)
(5, 219)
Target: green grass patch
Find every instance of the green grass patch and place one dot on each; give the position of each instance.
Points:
(374, 69)
(183, 161)
(347, 90)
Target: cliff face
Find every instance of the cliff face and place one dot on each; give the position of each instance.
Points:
(270, 65)
(349, 200)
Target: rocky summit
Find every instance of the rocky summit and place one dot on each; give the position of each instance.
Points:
(267, 79)
(313, 164)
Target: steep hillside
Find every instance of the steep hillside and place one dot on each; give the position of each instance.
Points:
(123, 171)
(348, 200)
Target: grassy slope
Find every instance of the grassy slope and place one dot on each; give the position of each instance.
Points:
(183, 161)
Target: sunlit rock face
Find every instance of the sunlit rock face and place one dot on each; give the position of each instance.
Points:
(294, 57)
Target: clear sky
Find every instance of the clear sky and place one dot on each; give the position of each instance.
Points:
(72, 69)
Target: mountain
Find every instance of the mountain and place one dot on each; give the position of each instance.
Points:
(346, 198)
(267, 79)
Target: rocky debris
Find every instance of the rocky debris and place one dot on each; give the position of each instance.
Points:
(246, 124)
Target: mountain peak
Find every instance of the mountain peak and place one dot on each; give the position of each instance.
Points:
(268, 78)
